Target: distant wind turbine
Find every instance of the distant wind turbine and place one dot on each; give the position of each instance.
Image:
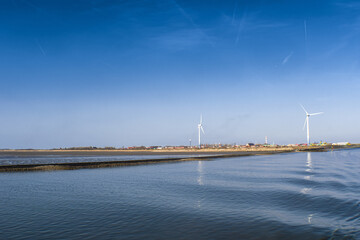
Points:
(200, 127)
(307, 122)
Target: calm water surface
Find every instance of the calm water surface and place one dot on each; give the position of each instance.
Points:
(286, 196)
(51, 159)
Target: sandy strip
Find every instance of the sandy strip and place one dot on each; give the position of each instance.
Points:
(82, 165)
(97, 152)
(211, 154)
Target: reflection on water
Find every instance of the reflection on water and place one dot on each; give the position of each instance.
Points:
(200, 180)
(286, 196)
(309, 162)
(305, 190)
(308, 176)
(308, 171)
(310, 218)
(200, 171)
(309, 167)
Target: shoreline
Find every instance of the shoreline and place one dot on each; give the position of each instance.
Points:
(105, 164)
(118, 152)
(211, 154)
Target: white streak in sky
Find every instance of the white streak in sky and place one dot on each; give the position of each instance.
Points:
(32, 5)
(305, 38)
(40, 48)
(190, 19)
(352, 5)
(305, 30)
(286, 59)
(182, 11)
(241, 27)
(234, 13)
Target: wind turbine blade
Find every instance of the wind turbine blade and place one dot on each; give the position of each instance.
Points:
(202, 130)
(304, 124)
(312, 114)
(304, 109)
(201, 119)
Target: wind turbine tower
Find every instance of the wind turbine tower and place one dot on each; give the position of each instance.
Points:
(201, 129)
(307, 123)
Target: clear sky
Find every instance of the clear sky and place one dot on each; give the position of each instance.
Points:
(126, 72)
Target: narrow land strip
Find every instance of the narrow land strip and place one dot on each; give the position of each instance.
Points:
(210, 154)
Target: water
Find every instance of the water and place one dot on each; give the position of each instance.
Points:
(52, 159)
(286, 196)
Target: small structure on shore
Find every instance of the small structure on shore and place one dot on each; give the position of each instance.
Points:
(341, 144)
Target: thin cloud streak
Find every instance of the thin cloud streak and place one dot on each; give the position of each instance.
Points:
(190, 19)
(305, 31)
(187, 16)
(234, 13)
(351, 5)
(40, 48)
(249, 21)
(241, 27)
(181, 39)
(287, 58)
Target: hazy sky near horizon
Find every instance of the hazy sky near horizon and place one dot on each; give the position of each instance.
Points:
(123, 73)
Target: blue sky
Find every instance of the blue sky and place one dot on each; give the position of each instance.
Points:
(123, 73)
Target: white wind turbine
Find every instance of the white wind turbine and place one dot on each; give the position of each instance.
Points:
(307, 122)
(200, 128)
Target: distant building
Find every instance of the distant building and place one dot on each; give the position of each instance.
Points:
(341, 143)
(154, 147)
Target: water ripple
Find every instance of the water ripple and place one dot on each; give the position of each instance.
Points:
(287, 196)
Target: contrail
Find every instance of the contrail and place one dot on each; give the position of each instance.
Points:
(241, 27)
(305, 38)
(286, 59)
(189, 18)
(32, 5)
(234, 13)
(305, 31)
(182, 11)
(40, 47)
